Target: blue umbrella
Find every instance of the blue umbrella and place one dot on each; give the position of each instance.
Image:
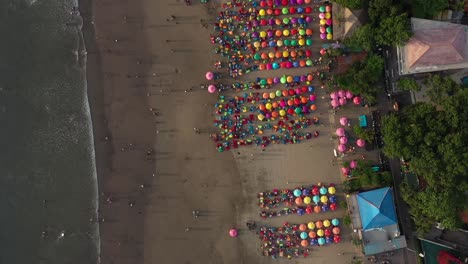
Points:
(316, 198)
(311, 89)
(304, 235)
(323, 190)
(272, 44)
(335, 221)
(306, 192)
(299, 10)
(325, 208)
(295, 64)
(275, 65)
(332, 199)
(313, 242)
(328, 240)
(297, 78)
(297, 192)
(321, 241)
(300, 212)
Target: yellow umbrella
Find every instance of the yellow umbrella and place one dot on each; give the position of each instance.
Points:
(257, 44)
(331, 190)
(326, 223)
(285, 54)
(320, 233)
(261, 117)
(323, 22)
(272, 95)
(310, 225)
(279, 43)
(282, 112)
(263, 34)
(268, 106)
(271, 55)
(307, 200)
(262, 12)
(285, 32)
(301, 42)
(324, 199)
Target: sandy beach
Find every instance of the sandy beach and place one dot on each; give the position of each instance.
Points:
(144, 76)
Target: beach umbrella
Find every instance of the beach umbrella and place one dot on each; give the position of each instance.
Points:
(261, 107)
(344, 121)
(332, 206)
(336, 230)
(329, 36)
(262, 12)
(340, 132)
(357, 100)
(282, 112)
(211, 88)
(312, 234)
(322, 9)
(335, 221)
(323, 190)
(324, 199)
(317, 209)
(261, 117)
(304, 243)
(298, 201)
(341, 93)
(309, 209)
(318, 224)
(312, 97)
(283, 79)
(306, 192)
(297, 192)
(302, 227)
(233, 232)
(313, 241)
(315, 190)
(323, 36)
(322, 15)
(343, 140)
(331, 190)
(313, 107)
(264, 95)
(322, 30)
(329, 22)
(342, 100)
(323, 52)
(326, 223)
(336, 239)
(274, 114)
(341, 148)
(327, 15)
(323, 22)
(353, 164)
(298, 110)
(316, 198)
(311, 225)
(349, 95)
(325, 207)
(333, 95)
(320, 233)
(308, 10)
(328, 8)
(268, 106)
(335, 103)
(300, 212)
(328, 240)
(307, 200)
(304, 235)
(360, 143)
(329, 30)
(209, 76)
(284, 11)
(332, 199)
(327, 232)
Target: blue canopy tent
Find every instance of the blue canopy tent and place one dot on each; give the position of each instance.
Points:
(377, 208)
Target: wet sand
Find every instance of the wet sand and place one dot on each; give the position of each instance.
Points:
(154, 170)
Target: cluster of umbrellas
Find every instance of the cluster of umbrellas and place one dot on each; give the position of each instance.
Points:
(326, 29)
(344, 140)
(341, 97)
(294, 240)
(346, 170)
(300, 201)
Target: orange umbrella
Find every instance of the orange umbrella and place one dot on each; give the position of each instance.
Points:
(312, 234)
(298, 201)
(266, 95)
(304, 243)
(275, 104)
(317, 209)
(264, 55)
(274, 114)
(261, 67)
(302, 227)
(278, 33)
(278, 55)
(319, 224)
(261, 107)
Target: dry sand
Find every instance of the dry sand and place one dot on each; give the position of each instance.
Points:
(133, 74)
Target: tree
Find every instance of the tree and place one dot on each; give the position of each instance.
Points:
(440, 87)
(352, 4)
(379, 9)
(393, 30)
(366, 134)
(408, 84)
(363, 37)
(428, 8)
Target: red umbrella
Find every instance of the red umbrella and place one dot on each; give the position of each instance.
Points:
(315, 190)
(336, 239)
(327, 232)
(309, 210)
(333, 206)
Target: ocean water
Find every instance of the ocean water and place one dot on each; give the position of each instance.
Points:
(48, 186)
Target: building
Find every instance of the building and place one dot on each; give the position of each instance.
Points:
(434, 46)
(346, 21)
(376, 221)
(445, 246)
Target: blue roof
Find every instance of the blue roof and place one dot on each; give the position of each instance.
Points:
(377, 208)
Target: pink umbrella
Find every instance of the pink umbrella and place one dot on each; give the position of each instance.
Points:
(333, 95)
(341, 148)
(340, 132)
(329, 22)
(209, 76)
(342, 100)
(353, 164)
(357, 100)
(341, 93)
(211, 88)
(344, 121)
(349, 95)
(335, 103)
(360, 143)
(312, 97)
(345, 170)
(323, 51)
(233, 232)
(323, 36)
(322, 15)
(343, 140)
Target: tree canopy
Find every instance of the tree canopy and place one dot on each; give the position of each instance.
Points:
(352, 4)
(393, 30)
(433, 140)
(427, 8)
(408, 84)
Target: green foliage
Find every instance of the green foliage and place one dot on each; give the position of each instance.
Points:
(408, 84)
(427, 8)
(393, 30)
(363, 133)
(362, 77)
(352, 4)
(363, 37)
(351, 186)
(433, 140)
(343, 204)
(379, 9)
(347, 220)
(386, 178)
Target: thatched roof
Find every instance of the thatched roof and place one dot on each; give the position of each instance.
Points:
(346, 21)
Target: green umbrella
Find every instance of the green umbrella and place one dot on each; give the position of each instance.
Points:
(302, 32)
(283, 80)
(298, 110)
(286, 42)
(263, 82)
(329, 30)
(284, 11)
(278, 93)
(285, 20)
(309, 63)
(293, 42)
(257, 56)
(308, 42)
(322, 9)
